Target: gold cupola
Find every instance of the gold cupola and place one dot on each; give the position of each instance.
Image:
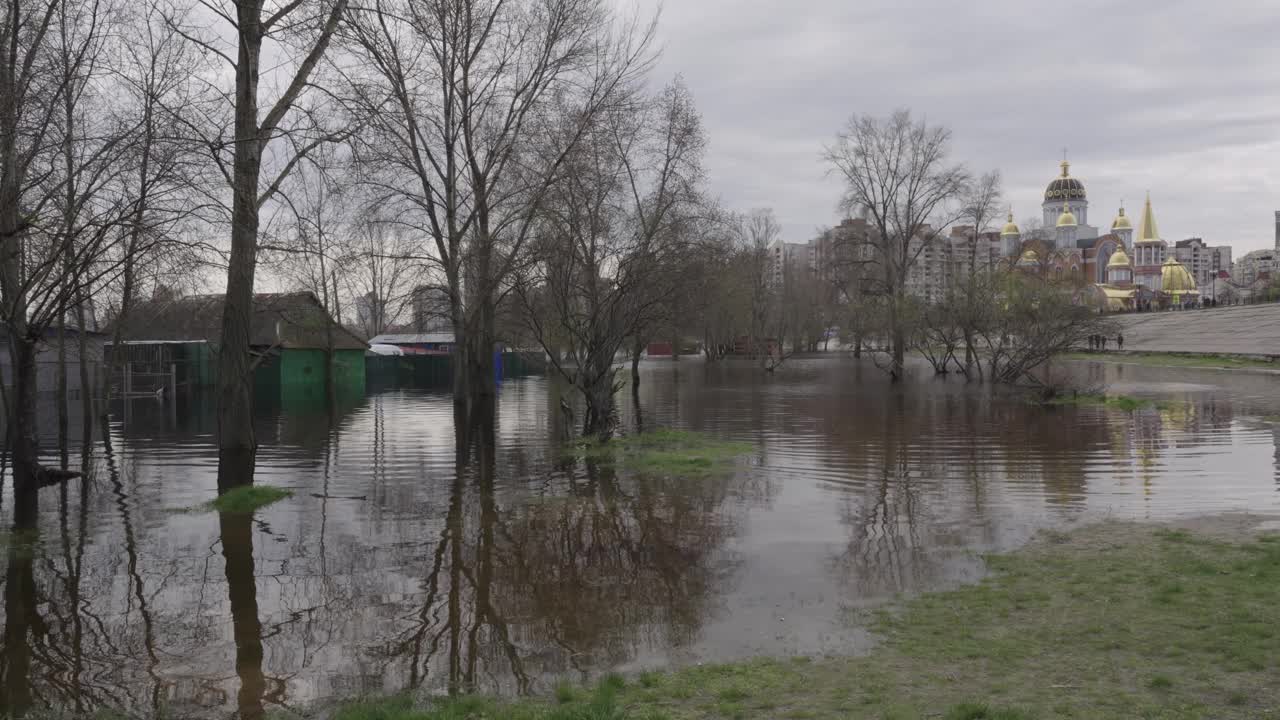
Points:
(1122, 221)
(1119, 258)
(1010, 228)
(1066, 219)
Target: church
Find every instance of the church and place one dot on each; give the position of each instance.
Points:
(1117, 270)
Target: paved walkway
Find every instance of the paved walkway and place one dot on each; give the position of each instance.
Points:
(1239, 330)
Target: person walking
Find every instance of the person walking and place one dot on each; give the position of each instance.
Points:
(1104, 343)
(1120, 341)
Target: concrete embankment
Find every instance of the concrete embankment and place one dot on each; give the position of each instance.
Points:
(1240, 330)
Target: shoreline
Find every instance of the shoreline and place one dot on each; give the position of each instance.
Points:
(1186, 360)
(1114, 619)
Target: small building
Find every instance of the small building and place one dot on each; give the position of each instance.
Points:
(47, 359)
(659, 348)
(288, 336)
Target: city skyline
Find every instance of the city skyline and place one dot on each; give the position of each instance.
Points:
(1189, 116)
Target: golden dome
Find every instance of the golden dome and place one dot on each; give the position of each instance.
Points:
(1175, 279)
(1122, 221)
(1066, 219)
(1119, 259)
(1010, 228)
(1064, 187)
(1029, 257)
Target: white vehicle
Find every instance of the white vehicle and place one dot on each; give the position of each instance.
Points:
(380, 349)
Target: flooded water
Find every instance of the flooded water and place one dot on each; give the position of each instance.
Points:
(407, 559)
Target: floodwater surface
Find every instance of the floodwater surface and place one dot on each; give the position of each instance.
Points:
(413, 556)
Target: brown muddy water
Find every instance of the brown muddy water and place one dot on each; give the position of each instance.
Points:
(402, 561)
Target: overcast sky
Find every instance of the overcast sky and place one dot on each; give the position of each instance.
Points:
(1179, 97)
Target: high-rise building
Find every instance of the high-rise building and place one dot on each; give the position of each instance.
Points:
(1255, 266)
(1278, 230)
(431, 309)
(371, 313)
(1204, 261)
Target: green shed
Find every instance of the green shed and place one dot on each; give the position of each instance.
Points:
(288, 335)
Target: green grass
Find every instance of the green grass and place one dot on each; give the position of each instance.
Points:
(665, 451)
(1187, 360)
(247, 498)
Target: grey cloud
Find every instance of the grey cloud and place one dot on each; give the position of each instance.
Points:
(1175, 97)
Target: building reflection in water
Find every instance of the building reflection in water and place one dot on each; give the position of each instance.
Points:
(443, 553)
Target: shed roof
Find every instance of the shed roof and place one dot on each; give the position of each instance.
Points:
(412, 338)
(287, 320)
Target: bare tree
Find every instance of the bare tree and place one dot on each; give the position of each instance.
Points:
(153, 76)
(759, 233)
(296, 36)
(897, 175)
(1034, 321)
(60, 211)
(464, 96)
(313, 252)
(720, 285)
(385, 271)
(611, 235)
(980, 207)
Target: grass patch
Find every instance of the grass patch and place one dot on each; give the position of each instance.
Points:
(665, 451)
(1127, 403)
(248, 498)
(1206, 361)
(603, 703)
(981, 711)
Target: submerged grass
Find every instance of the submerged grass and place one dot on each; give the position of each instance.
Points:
(1187, 360)
(1112, 621)
(664, 451)
(247, 498)
(1127, 403)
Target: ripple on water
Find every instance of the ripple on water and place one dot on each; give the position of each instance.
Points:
(404, 560)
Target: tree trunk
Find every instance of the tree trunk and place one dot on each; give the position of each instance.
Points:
(24, 438)
(460, 356)
(597, 389)
(330, 382)
(235, 382)
(481, 345)
(598, 421)
(897, 338)
(61, 394)
(637, 348)
(86, 380)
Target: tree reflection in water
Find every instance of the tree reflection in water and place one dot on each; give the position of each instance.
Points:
(235, 530)
(537, 588)
(414, 555)
(23, 626)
